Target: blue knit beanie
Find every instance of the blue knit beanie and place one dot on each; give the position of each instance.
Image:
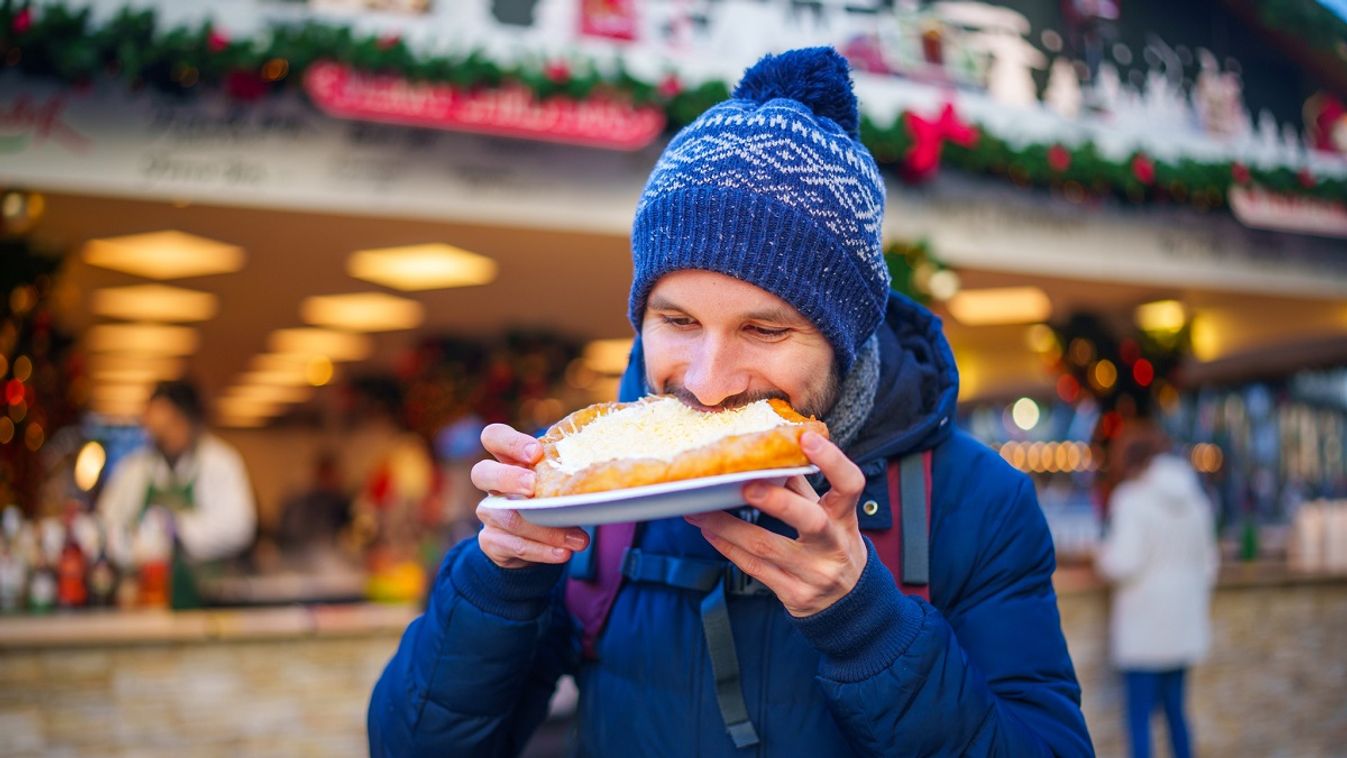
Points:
(773, 187)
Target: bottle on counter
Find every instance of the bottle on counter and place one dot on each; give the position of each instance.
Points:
(42, 583)
(13, 563)
(154, 551)
(71, 591)
(102, 576)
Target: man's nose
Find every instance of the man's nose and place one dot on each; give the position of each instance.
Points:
(714, 374)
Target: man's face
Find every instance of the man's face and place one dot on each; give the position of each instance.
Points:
(167, 427)
(714, 341)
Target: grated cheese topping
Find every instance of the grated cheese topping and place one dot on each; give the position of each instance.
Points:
(660, 429)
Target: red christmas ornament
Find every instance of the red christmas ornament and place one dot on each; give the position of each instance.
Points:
(671, 86)
(557, 72)
(1240, 173)
(1307, 179)
(389, 41)
(1059, 158)
(1143, 373)
(23, 21)
(928, 138)
(217, 42)
(1143, 169)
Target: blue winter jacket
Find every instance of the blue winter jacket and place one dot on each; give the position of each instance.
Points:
(981, 670)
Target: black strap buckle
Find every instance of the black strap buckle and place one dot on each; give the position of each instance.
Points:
(739, 584)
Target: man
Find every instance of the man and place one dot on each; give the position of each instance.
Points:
(758, 273)
(198, 480)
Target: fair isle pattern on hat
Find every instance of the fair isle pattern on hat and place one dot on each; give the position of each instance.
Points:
(818, 173)
(774, 188)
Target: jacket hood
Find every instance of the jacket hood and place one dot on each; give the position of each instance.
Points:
(917, 391)
(1172, 480)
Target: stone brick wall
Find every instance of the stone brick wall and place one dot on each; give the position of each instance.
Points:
(277, 697)
(1274, 685)
(287, 685)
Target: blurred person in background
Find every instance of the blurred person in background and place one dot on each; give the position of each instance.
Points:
(1161, 554)
(312, 520)
(197, 480)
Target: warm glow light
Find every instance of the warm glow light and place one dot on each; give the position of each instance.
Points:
(116, 368)
(1041, 339)
(1104, 374)
(89, 465)
(607, 356)
(421, 267)
(363, 312)
(333, 345)
(154, 302)
(318, 371)
(1002, 305)
(1025, 413)
(944, 284)
(124, 408)
(168, 254)
(1162, 316)
(239, 406)
(142, 339)
(269, 393)
(277, 378)
(1205, 340)
(314, 370)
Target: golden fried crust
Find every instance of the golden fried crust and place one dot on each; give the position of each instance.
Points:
(778, 447)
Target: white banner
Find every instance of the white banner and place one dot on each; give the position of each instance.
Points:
(281, 152)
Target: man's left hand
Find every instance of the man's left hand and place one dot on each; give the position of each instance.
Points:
(820, 566)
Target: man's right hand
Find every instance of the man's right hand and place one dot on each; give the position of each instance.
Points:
(506, 538)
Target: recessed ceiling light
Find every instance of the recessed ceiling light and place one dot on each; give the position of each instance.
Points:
(154, 302)
(119, 367)
(142, 339)
(1001, 305)
(315, 370)
(276, 378)
(362, 312)
(238, 406)
(421, 267)
(130, 393)
(334, 345)
(269, 393)
(169, 254)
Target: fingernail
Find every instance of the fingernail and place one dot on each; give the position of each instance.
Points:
(533, 450)
(693, 519)
(755, 491)
(575, 541)
(811, 442)
(561, 552)
(528, 481)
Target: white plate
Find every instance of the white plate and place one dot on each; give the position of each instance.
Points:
(653, 501)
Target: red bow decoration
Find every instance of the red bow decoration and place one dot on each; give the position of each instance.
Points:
(928, 138)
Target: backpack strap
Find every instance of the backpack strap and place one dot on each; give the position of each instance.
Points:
(905, 548)
(596, 578)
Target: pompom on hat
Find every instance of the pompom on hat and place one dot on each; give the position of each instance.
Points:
(773, 187)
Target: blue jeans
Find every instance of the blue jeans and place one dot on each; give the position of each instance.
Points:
(1146, 689)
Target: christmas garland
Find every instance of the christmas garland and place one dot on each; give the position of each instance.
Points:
(1310, 22)
(61, 42)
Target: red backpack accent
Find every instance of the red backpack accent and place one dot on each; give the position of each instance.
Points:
(597, 577)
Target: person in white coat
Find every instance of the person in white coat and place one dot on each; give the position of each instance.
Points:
(194, 478)
(1161, 554)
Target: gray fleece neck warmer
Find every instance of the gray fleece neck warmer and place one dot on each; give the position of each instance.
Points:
(856, 397)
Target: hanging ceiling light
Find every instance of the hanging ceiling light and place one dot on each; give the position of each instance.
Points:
(168, 254)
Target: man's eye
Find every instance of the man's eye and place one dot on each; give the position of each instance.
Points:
(767, 332)
(678, 321)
